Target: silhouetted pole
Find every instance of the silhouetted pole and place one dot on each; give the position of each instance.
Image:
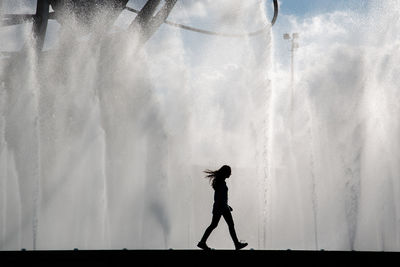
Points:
(40, 23)
(148, 20)
(294, 46)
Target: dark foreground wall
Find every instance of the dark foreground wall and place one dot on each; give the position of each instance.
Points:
(197, 258)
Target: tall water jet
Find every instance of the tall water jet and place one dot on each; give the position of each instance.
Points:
(343, 97)
(103, 145)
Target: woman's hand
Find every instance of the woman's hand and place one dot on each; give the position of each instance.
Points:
(230, 208)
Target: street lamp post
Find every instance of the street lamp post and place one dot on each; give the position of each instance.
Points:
(294, 46)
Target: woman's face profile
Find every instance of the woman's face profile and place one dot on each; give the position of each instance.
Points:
(228, 172)
(224, 172)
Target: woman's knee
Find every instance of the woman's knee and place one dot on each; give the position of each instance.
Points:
(214, 221)
(231, 225)
(229, 220)
(213, 225)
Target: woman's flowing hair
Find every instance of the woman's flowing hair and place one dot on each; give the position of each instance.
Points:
(217, 175)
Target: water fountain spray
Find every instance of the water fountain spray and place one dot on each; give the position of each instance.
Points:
(86, 133)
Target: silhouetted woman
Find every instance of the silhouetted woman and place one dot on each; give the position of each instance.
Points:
(221, 207)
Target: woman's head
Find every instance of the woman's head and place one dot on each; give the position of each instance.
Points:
(224, 171)
(218, 175)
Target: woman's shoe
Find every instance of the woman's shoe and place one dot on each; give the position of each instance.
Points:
(240, 245)
(203, 245)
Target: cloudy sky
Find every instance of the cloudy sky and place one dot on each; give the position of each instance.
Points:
(315, 20)
(306, 8)
(293, 15)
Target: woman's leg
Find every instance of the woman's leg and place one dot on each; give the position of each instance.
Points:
(213, 225)
(229, 220)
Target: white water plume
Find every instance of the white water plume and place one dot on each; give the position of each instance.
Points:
(335, 165)
(103, 146)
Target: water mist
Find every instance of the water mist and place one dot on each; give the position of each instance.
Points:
(335, 175)
(102, 145)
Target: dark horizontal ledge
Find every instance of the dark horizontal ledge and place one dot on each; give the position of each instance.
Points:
(195, 257)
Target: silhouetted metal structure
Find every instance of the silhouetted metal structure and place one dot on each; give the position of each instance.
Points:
(147, 21)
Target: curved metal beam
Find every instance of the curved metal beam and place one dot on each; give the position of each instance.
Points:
(147, 22)
(202, 31)
(276, 11)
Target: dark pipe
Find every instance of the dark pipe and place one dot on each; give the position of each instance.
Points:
(202, 31)
(40, 23)
(276, 10)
